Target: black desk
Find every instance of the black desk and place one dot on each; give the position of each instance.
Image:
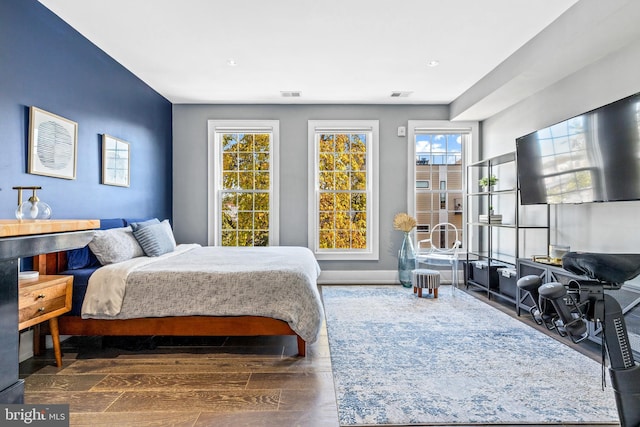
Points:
(11, 249)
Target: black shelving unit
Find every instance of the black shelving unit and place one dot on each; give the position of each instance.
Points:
(493, 244)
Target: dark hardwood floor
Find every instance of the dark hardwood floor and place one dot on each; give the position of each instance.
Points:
(186, 382)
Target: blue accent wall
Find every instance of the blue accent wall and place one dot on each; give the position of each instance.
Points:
(46, 63)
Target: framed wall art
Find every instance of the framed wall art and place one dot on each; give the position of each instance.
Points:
(53, 145)
(115, 161)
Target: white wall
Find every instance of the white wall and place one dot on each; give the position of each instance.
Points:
(605, 227)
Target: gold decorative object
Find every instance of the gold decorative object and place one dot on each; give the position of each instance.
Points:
(33, 208)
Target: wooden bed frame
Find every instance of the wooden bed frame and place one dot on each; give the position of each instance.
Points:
(55, 262)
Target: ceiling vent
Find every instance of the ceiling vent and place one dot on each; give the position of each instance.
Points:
(400, 94)
(291, 93)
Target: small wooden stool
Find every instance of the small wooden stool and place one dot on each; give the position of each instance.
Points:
(423, 278)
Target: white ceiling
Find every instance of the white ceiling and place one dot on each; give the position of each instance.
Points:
(333, 51)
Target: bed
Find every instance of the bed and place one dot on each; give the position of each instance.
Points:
(192, 290)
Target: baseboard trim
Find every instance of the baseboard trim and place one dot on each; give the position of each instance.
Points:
(25, 350)
(370, 277)
(26, 344)
(358, 277)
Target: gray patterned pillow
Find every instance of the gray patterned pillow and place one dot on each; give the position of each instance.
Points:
(115, 245)
(156, 239)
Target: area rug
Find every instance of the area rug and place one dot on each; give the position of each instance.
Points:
(399, 359)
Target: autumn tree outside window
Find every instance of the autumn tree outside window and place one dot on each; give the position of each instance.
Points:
(343, 189)
(244, 175)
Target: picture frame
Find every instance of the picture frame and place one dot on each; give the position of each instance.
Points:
(53, 144)
(115, 161)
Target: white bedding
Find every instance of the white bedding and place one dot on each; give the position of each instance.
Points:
(277, 282)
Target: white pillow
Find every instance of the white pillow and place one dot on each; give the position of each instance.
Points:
(115, 245)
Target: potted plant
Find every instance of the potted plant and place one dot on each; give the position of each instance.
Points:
(489, 181)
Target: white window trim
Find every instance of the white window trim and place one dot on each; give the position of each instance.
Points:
(417, 126)
(214, 162)
(470, 151)
(372, 251)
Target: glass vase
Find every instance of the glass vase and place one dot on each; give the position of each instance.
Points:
(406, 260)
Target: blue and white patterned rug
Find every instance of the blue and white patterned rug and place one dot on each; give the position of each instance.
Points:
(398, 359)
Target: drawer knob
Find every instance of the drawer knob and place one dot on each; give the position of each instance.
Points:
(41, 309)
(41, 296)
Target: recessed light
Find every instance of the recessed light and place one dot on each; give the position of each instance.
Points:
(291, 93)
(433, 63)
(231, 62)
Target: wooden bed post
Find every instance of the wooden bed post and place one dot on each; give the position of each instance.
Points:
(52, 263)
(302, 346)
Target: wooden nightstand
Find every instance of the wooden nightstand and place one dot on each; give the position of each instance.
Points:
(42, 299)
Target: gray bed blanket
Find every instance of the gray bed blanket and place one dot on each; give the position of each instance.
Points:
(277, 282)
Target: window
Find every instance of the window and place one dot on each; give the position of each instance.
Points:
(243, 171)
(443, 152)
(343, 189)
(436, 155)
(566, 144)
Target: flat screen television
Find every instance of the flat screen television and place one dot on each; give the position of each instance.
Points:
(593, 157)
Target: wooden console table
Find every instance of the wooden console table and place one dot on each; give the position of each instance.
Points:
(20, 239)
(45, 298)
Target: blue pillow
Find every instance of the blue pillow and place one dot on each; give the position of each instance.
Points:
(155, 239)
(141, 224)
(81, 258)
(106, 224)
(129, 221)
